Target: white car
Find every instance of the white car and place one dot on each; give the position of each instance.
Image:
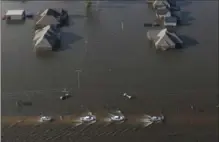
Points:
(45, 119)
(157, 119)
(88, 118)
(117, 118)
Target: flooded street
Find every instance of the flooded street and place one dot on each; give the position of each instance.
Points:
(106, 53)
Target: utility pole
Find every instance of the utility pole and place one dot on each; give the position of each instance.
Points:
(78, 72)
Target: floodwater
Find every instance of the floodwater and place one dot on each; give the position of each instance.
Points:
(108, 44)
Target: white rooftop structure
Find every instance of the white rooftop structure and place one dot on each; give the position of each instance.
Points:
(163, 39)
(162, 13)
(161, 4)
(48, 17)
(15, 14)
(46, 38)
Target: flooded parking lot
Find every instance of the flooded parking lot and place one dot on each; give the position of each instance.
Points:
(108, 44)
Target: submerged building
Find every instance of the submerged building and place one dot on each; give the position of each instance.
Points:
(47, 38)
(163, 39)
(162, 12)
(160, 4)
(52, 17)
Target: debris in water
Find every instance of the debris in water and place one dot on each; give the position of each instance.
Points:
(19, 103)
(66, 95)
(126, 95)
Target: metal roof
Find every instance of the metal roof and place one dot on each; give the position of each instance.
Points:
(14, 12)
(49, 17)
(47, 20)
(160, 3)
(164, 38)
(162, 11)
(50, 12)
(46, 37)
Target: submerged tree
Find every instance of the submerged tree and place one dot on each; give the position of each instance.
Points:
(88, 3)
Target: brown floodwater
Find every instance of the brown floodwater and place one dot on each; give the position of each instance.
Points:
(108, 44)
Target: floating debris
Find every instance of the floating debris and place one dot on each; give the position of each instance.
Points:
(19, 103)
(126, 95)
(66, 95)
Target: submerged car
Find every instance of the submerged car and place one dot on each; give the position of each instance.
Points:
(45, 119)
(157, 119)
(117, 118)
(88, 118)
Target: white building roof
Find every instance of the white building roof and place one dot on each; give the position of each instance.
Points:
(163, 12)
(14, 12)
(48, 17)
(45, 38)
(47, 20)
(160, 3)
(164, 40)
